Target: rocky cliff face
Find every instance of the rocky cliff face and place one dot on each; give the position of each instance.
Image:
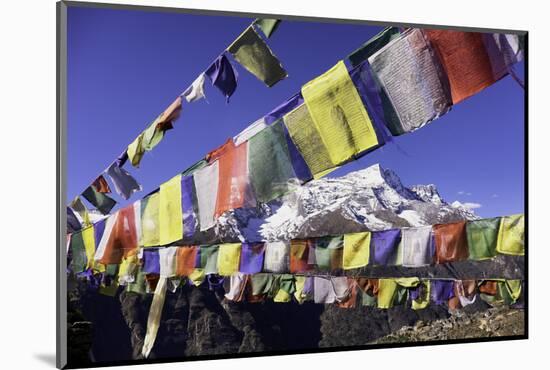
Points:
(197, 321)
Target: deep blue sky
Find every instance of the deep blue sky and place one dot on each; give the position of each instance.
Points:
(126, 66)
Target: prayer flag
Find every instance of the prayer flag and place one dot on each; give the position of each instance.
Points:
(123, 239)
(308, 141)
(136, 150)
(222, 75)
(277, 257)
(150, 227)
(81, 210)
(189, 207)
(256, 57)
(101, 185)
(125, 184)
(412, 79)
(387, 289)
(269, 163)
(339, 115)
(206, 185)
(451, 243)
(482, 238)
(151, 261)
(209, 259)
(356, 250)
(464, 59)
(101, 201)
(196, 90)
(78, 253)
(417, 246)
(384, 245)
(153, 320)
(170, 211)
(186, 260)
(228, 258)
(233, 185)
(511, 235)
(267, 25)
(167, 261)
(299, 253)
(252, 258)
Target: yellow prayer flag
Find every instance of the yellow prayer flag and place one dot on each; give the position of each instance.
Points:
(386, 292)
(339, 114)
(356, 250)
(229, 256)
(197, 276)
(135, 150)
(409, 282)
(170, 212)
(150, 230)
(282, 296)
(511, 235)
(88, 239)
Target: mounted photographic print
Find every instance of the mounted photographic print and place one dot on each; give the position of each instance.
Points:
(237, 185)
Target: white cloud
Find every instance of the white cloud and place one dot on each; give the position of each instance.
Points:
(462, 192)
(471, 205)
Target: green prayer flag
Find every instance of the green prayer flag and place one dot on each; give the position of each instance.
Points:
(139, 285)
(101, 201)
(269, 163)
(152, 136)
(256, 57)
(209, 258)
(327, 252)
(267, 25)
(482, 238)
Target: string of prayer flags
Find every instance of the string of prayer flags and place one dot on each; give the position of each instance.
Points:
(101, 201)
(451, 243)
(384, 246)
(339, 115)
(267, 25)
(464, 59)
(256, 57)
(356, 250)
(170, 211)
(413, 81)
(482, 238)
(511, 235)
(223, 75)
(417, 246)
(374, 44)
(269, 163)
(125, 184)
(195, 92)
